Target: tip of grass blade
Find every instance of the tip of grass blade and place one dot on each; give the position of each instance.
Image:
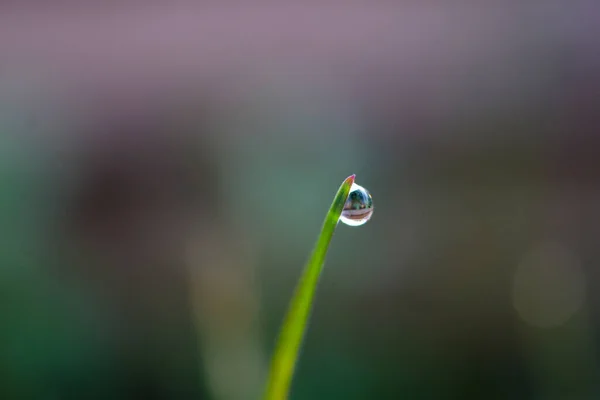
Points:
(350, 179)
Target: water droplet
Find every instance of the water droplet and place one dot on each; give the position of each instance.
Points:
(358, 208)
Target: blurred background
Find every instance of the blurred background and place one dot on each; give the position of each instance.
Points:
(165, 168)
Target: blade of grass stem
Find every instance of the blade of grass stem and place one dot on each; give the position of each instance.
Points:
(294, 325)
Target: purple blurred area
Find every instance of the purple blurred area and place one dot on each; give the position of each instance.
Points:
(432, 60)
(165, 168)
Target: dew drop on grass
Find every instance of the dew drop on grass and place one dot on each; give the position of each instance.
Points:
(358, 208)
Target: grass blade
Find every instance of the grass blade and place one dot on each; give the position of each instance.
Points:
(294, 324)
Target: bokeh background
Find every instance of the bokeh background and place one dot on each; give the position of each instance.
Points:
(165, 168)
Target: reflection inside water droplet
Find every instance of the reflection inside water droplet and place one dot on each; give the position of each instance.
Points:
(358, 208)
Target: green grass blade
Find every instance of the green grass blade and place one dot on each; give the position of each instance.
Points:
(294, 325)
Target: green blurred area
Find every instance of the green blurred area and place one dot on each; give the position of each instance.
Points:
(150, 239)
